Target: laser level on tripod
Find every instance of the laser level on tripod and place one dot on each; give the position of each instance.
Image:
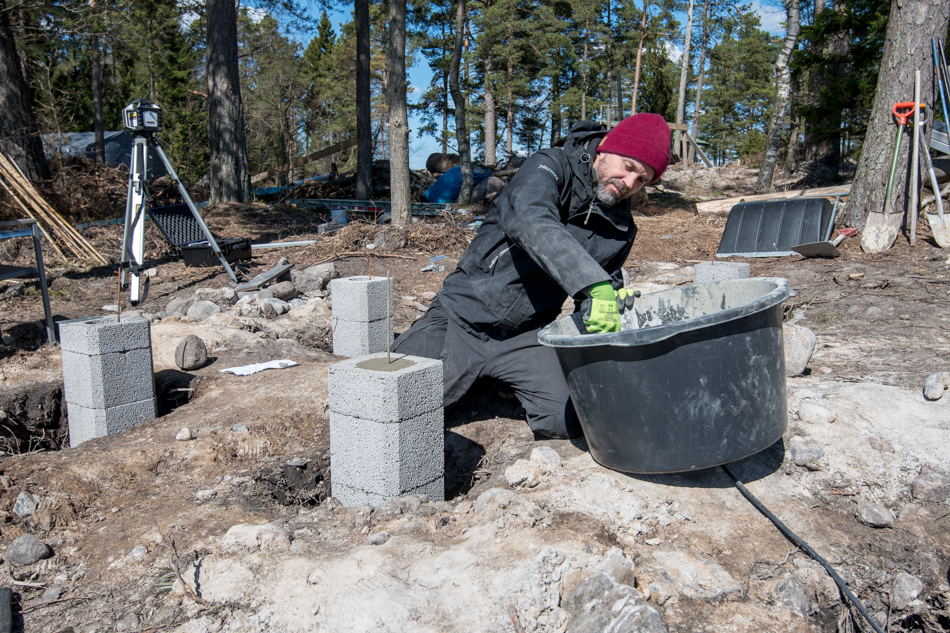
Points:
(144, 118)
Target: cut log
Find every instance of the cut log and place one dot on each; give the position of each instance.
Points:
(722, 207)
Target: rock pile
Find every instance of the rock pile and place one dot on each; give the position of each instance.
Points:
(270, 302)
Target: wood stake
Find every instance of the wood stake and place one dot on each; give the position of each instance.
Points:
(389, 325)
(915, 164)
(118, 297)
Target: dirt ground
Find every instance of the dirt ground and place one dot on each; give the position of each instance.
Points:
(150, 534)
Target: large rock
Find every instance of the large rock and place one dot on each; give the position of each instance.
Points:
(816, 414)
(803, 451)
(875, 514)
(793, 594)
(546, 457)
(253, 536)
(179, 306)
(26, 550)
(26, 504)
(799, 346)
(599, 604)
(202, 310)
(931, 485)
(904, 588)
(191, 353)
(523, 473)
(694, 577)
(936, 384)
(500, 496)
(284, 290)
(209, 294)
(279, 306)
(312, 280)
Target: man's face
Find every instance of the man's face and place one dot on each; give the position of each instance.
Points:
(619, 177)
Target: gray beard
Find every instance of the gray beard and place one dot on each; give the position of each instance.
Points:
(607, 196)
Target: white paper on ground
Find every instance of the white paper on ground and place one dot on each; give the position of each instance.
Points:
(247, 370)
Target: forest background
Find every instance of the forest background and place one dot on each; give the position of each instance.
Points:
(530, 69)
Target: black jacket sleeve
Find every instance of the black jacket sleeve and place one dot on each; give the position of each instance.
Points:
(530, 216)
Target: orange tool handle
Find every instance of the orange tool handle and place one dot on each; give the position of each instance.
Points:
(905, 110)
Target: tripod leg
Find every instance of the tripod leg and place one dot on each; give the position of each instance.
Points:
(194, 211)
(137, 203)
(126, 255)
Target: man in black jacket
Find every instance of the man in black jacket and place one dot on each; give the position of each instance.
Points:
(561, 228)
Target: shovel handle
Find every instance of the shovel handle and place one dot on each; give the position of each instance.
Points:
(905, 110)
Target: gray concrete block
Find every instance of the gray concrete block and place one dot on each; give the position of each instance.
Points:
(352, 497)
(86, 424)
(102, 335)
(385, 396)
(358, 338)
(706, 272)
(360, 298)
(108, 380)
(387, 459)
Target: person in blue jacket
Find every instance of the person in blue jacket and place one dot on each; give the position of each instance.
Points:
(561, 228)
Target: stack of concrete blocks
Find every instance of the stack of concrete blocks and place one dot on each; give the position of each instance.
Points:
(706, 272)
(107, 375)
(386, 431)
(360, 323)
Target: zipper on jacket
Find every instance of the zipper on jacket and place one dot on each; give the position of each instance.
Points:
(589, 209)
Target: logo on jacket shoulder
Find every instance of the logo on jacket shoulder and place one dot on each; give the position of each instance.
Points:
(548, 169)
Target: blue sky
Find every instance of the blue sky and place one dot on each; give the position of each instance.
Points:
(771, 15)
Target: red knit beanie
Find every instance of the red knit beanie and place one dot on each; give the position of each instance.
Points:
(645, 137)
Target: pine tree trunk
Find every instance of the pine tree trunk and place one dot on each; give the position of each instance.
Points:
(364, 118)
(98, 127)
(698, 106)
(783, 78)
(461, 131)
(445, 113)
(230, 178)
(510, 104)
(491, 123)
(19, 137)
(636, 73)
(619, 95)
(555, 109)
(398, 116)
(791, 154)
(684, 77)
(910, 27)
(584, 82)
(610, 64)
(823, 138)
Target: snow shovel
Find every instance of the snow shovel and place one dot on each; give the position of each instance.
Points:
(881, 229)
(826, 248)
(938, 223)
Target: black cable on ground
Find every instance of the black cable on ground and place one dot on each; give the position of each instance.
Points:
(794, 538)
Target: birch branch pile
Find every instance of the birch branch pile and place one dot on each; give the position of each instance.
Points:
(60, 234)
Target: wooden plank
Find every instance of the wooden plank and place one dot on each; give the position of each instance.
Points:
(699, 150)
(678, 126)
(724, 205)
(303, 160)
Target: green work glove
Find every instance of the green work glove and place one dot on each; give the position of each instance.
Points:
(625, 298)
(601, 313)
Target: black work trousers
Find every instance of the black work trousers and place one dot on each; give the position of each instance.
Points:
(519, 361)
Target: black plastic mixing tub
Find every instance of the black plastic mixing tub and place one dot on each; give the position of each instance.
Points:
(697, 382)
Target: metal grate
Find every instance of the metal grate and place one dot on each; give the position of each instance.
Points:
(177, 224)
